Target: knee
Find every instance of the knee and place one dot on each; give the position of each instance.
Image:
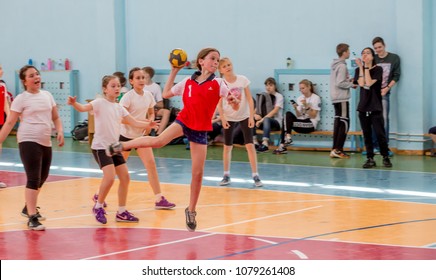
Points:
(33, 184)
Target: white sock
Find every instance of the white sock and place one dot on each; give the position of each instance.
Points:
(98, 205)
(288, 136)
(158, 197)
(254, 175)
(227, 173)
(121, 209)
(265, 142)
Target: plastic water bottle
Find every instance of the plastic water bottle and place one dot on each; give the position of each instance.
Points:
(289, 63)
(67, 64)
(60, 64)
(43, 66)
(353, 60)
(49, 65)
(30, 62)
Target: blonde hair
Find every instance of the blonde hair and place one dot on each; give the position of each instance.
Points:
(221, 62)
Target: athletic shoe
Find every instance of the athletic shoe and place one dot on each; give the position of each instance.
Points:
(2, 185)
(126, 217)
(288, 142)
(115, 148)
(280, 150)
(387, 162)
(34, 223)
(225, 181)
(99, 214)
(191, 224)
(95, 199)
(262, 148)
(256, 146)
(24, 213)
(257, 181)
(370, 163)
(338, 154)
(164, 204)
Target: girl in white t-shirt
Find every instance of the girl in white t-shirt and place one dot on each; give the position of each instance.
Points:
(307, 110)
(36, 110)
(108, 116)
(159, 109)
(243, 117)
(140, 104)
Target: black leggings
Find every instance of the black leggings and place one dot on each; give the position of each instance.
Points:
(235, 129)
(291, 122)
(36, 161)
(341, 125)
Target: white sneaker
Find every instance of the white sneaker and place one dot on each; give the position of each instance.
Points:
(3, 185)
(115, 148)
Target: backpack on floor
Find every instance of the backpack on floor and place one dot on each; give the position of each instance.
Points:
(80, 131)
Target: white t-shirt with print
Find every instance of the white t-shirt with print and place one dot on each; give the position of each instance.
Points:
(107, 118)
(314, 102)
(137, 105)
(237, 88)
(156, 90)
(279, 103)
(36, 117)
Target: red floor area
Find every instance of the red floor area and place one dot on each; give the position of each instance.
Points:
(154, 244)
(13, 179)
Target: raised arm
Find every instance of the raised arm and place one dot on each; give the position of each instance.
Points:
(170, 82)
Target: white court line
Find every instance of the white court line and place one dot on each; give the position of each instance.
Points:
(300, 254)
(148, 247)
(263, 240)
(263, 218)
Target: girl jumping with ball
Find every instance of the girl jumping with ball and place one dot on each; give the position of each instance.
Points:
(201, 93)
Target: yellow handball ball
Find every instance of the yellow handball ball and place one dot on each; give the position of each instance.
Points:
(178, 58)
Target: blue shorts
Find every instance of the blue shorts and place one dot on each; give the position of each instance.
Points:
(199, 137)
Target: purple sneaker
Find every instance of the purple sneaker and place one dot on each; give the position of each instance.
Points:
(164, 204)
(99, 214)
(95, 199)
(127, 217)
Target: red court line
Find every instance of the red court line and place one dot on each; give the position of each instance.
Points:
(13, 179)
(155, 244)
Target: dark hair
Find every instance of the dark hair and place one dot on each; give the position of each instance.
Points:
(132, 72)
(378, 40)
(341, 48)
(149, 70)
(203, 53)
(22, 73)
(272, 81)
(121, 77)
(372, 53)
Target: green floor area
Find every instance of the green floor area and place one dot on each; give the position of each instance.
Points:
(310, 158)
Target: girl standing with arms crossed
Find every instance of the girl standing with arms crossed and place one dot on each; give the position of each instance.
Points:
(140, 104)
(201, 93)
(108, 116)
(36, 110)
(239, 89)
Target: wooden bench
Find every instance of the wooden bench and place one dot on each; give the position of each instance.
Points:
(432, 152)
(356, 138)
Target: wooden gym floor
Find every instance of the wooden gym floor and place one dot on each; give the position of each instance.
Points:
(311, 207)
